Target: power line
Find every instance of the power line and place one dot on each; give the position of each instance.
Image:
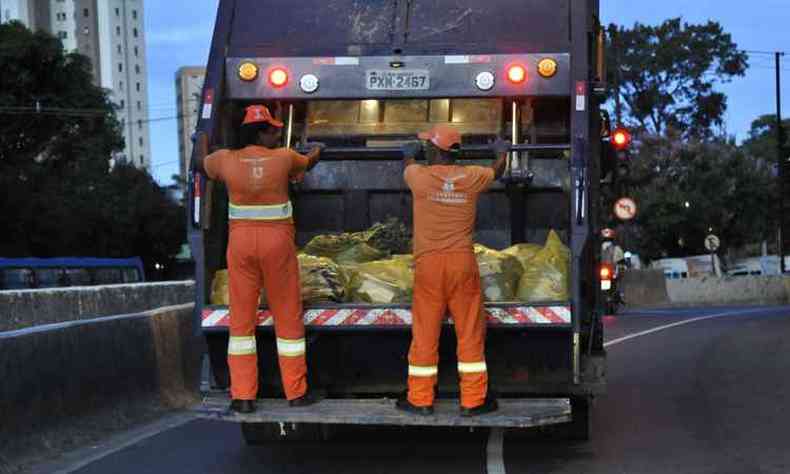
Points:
(748, 51)
(82, 113)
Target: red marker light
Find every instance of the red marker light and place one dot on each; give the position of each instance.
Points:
(517, 74)
(278, 77)
(606, 272)
(621, 139)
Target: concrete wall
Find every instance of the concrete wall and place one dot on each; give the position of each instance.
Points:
(28, 308)
(649, 289)
(76, 379)
(645, 288)
(711, 291)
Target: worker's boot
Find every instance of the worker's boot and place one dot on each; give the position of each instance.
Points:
(488, 406)
(404, 404)
(243, 406)
(309, 398)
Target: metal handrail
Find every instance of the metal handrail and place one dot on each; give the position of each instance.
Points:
(394, 153)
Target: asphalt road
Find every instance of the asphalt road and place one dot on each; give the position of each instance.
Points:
(708, 396)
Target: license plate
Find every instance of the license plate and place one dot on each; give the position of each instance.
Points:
(403, 80)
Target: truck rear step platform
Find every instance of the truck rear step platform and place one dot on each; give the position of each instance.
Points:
(512, 413)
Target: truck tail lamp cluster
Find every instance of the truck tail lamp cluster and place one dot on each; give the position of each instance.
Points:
(277, 77)
(606, 275)
(517, 74)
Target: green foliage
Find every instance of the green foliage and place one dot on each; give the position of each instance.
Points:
(761, 143)
(729, 194)
(663, 77)
(58, 193)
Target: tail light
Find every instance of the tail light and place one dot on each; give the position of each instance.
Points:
(606, 274)
(278, 77)
(621, 138)
(517, 74)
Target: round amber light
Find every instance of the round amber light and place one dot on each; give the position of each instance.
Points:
(248, 72)
(547, 68)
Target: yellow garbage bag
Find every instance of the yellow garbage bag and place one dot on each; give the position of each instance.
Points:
(523, 252)
(499, 274)
(546, 276)
(383, 281)
(219, 289)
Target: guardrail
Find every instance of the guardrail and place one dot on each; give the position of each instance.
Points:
(27, 308)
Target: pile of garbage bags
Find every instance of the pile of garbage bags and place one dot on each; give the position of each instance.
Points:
(374, 267)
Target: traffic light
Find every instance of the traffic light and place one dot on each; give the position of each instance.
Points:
(616, 155)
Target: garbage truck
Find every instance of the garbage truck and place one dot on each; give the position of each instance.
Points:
(363, 77)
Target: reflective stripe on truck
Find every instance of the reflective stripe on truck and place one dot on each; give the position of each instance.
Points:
(512, 316)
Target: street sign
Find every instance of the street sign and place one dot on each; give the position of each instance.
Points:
(712, 243)
(625, 209)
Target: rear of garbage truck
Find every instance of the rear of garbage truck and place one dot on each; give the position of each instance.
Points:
(363, 77)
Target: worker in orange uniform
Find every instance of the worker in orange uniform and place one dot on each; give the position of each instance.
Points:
(262, 253)
(447, 276)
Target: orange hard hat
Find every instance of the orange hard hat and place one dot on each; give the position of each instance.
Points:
(260, 114)
(444, 137)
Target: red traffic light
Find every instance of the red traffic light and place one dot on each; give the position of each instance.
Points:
(517, 74)
(278, 77)
(621, 138)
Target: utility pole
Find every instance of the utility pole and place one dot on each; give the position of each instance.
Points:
(781, 161)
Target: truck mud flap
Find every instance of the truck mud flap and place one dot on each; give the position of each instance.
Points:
(512, 413)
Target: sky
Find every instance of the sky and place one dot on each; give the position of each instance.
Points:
(178, 33)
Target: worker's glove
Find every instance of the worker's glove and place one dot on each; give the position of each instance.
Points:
(313, 145)
(501, 146)
(411, 149)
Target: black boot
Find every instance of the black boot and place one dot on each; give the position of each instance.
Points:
(242, 406)
(488, 406)
(404, 404)
(309, 398)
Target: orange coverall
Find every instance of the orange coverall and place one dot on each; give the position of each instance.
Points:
(447, 277)
(262, 253)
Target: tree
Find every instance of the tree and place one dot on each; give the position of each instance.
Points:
(59, 195)
(761, 143)
(664, 77)
(687, 190)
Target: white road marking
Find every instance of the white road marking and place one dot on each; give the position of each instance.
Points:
(681, 323)
(495, 459)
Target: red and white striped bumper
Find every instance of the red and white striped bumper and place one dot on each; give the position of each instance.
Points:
(372, 317)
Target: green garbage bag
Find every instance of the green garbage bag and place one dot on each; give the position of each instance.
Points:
(391, 236)
(383, 281)
(322, 280)
(499, 274)
(546, 276)
(343, 249)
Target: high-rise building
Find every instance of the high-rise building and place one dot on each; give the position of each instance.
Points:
(112, 34)
(18, 10)
(189, 87)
